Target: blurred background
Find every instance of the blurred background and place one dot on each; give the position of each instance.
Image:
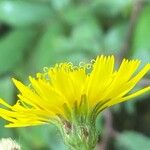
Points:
(39, 33)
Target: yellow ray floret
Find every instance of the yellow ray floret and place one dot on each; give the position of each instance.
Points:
(99, 82)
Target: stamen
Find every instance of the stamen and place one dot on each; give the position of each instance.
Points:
(93, 61)
(89, 66)
(75, 67)
(39, 75)
(45, 69)
(82, 64)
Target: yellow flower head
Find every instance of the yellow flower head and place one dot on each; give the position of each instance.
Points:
(87, 88)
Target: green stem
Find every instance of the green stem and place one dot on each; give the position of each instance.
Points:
(83, 146)
(80, 137)
(79, 129)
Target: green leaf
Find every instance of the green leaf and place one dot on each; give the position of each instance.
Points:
(23, 13)
(75, 14)
(87, 36)
(115, 37)
(51, 47)
(59, 5)
(5, 132)
(6, 89)
(141, 44)
(110, 8)
(132, 141)
(12, 48)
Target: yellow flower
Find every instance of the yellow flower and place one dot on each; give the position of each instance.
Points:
(56, 92)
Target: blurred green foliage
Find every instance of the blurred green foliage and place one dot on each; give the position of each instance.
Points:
(125, 141)
(39, 33)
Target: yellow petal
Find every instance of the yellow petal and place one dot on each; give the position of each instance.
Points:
(131, 96)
